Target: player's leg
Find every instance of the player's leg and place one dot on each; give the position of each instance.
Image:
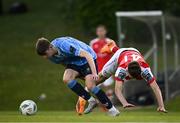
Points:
(69, 78)
(86, 72)
(108, 82)
(80, 105)
(107, 85)
(106, 72)
(90, 84)
(101, 79)
(81, 102)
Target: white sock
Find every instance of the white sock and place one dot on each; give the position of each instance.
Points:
(91, 99)
(86, 89)
(113, 108)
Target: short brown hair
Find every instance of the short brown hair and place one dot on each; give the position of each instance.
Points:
(101, 26)
(42, 45)
(134, 69)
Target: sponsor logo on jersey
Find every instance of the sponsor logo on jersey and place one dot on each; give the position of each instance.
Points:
(147, 75)
(121, 74)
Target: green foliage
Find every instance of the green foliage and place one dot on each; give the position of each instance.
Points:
(92, 13)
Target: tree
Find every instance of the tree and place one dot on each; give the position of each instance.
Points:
(1, 7)
(90, 13)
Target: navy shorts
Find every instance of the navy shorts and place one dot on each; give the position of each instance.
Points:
(83, 70)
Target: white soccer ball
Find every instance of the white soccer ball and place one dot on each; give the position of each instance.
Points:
(28, 107)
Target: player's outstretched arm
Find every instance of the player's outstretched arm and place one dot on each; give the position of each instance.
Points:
(158, 95)
(91, 63)
(118, 92)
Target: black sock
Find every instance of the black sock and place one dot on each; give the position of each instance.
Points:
(78, 89)
(102, 97)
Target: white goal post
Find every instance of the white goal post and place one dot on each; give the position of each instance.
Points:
(141, 16)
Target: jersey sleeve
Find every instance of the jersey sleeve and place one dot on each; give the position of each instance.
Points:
(147, 75)
(120, 74)
(114, 49)
(70, 48)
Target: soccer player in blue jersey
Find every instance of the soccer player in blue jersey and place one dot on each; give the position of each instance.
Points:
(80, 61)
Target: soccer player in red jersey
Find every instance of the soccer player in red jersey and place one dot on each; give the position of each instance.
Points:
(126, 64)
(98, 43)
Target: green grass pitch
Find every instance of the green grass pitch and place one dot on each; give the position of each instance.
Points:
(71, 116)
(136, 115)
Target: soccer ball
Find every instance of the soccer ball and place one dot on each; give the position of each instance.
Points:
(28, 107)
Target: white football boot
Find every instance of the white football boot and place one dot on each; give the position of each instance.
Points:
(113, 112)
(92, 104)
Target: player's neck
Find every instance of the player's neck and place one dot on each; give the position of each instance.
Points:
(101, 37)
(55, 51)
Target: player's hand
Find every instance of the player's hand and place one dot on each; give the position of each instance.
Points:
(162, 109)
(128, 105)
(95, 77)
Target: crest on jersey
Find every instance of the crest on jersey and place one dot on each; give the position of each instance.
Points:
(72, 49)
(121, 73)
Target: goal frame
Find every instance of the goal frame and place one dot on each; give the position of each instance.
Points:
(153, 50)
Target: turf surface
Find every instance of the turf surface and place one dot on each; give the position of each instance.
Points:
(125, 116)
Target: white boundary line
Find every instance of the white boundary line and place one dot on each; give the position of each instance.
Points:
(90, 122)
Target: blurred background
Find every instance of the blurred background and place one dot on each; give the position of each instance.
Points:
(24, 75)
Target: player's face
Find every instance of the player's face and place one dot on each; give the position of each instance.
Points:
(135, 77)
(49, 52)
(101, 32)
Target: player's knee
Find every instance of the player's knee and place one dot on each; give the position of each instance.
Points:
(90, 86)
(69, 75)
(66, 80)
